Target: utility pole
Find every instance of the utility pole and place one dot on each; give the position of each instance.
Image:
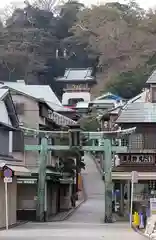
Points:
(40, 210)
(108, 181)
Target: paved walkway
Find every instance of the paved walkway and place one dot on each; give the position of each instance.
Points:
(93, 209)
(85, 224)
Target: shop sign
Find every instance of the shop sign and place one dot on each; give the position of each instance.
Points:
(153, 206)
(138, 159)
(26, 181)
(8, 180)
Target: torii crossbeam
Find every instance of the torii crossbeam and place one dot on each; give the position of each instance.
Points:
(107, 150)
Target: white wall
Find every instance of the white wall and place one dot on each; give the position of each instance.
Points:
(12, 195)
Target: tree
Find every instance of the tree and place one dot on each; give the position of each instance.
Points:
(47, 5)
(70, 160)
(121, 36)
(28, 40)
(129, 84)
(124, 39)
(90, 122)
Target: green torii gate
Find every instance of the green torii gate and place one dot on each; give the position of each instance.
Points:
(107, 150)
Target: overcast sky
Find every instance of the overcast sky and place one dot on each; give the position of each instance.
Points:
(144, 3)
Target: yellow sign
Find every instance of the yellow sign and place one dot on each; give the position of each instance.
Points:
(76, 86)
(1, 173)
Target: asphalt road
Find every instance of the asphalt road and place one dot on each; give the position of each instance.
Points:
(86, 223)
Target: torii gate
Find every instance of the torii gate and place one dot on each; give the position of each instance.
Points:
(107, 150)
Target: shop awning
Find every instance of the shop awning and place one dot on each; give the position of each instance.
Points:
(19, 170)
(128, 176)
(48, 172)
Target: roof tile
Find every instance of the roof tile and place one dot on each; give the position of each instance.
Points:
(152, 78)
(138, 112)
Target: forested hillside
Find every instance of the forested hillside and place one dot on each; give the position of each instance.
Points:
(38, 42)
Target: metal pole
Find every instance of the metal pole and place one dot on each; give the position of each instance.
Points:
(128, 195)
(6, 205)
(131, 206)
(45, 202)
(108, 181)
(41, 180)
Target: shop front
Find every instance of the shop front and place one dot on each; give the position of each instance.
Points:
(144, 189)
(8, 195)
(26, 198)
(27, 189)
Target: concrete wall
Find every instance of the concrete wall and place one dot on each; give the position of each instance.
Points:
(30, 119)
(12, 194)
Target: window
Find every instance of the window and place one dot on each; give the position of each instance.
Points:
(125, 141)
(18, 141)
(73, 101)
(149, 140)
(19, 108)
(136, 141)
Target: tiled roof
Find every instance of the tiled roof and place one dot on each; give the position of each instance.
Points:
(39, 92)
(140, 98)
(62, 120)
(138, 112)
(72, 74)
(152, 78)
(3, 93)
(115, 110)
(107, 95)
(45, 93)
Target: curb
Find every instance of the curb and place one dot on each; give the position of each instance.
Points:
(73, 211)
(14, 225)
(139, 232)
(69, 213)
(79, 205)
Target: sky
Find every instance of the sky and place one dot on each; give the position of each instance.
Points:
(144, 3)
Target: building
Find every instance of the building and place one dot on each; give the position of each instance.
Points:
(77, 83)
(104, 103)
(9, 130)
(35, 106)
(139, 112)
(82, 108)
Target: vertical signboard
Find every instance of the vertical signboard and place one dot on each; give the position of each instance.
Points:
(7, 173)
(134, 179)
(153, 206)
